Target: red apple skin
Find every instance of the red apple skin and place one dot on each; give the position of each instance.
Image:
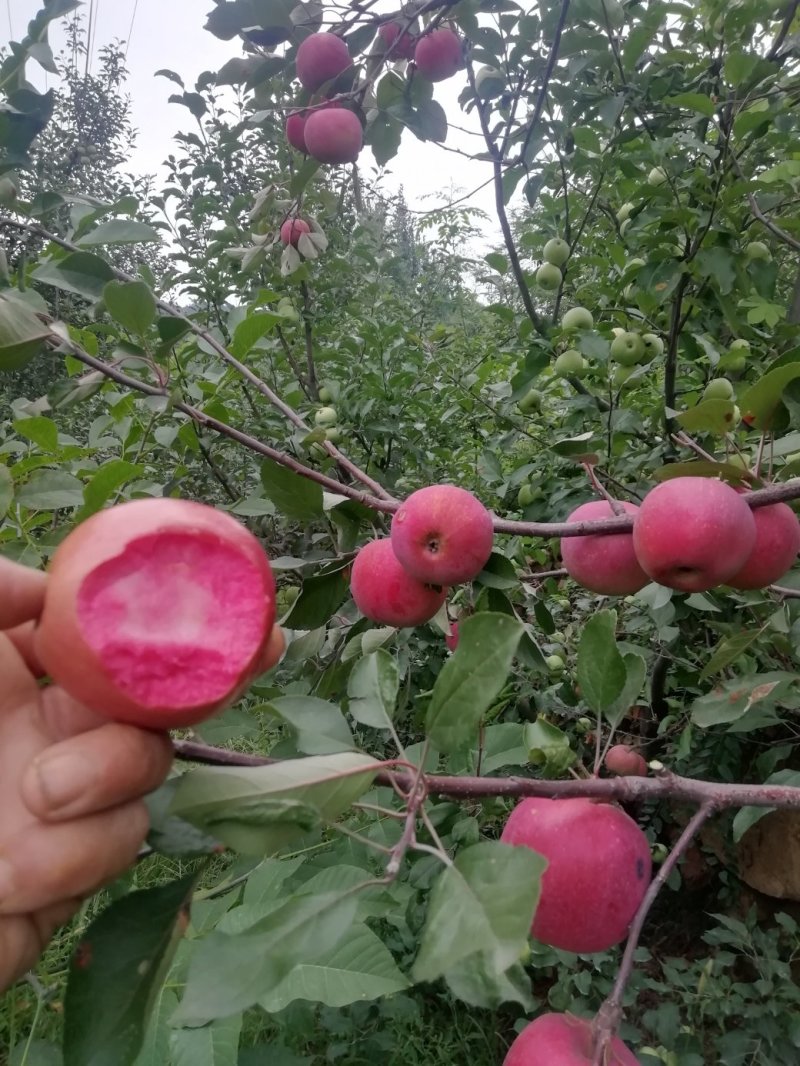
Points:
(625, 762)
(438, 55)
(158, 612)
(607, 565)
(293, 229)
(775, 551)
(451, 640)
(295, 130)
(386, 594)
(333, 135)
(400, 49)
(320, 58)
(693, 533)
(442, 535)
(562, 1040)
(598, 870)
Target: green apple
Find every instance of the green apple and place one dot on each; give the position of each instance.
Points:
(617, 331)
(621, 374)
(325, 395)
(624, 227)
(577, 318)
(653, 346)
(531, 401)
(757, 250)
(555, 664)
(326, 416)
(733, 363)
(556, 252)
(489, 81)
(657, 176)
(333, 434)
(627, 349)
(525, 496)
(625, 211)
(718, 389)
(570, 362)
(740, 345)
(548, 276)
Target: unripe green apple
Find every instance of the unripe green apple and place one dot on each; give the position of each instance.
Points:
(548, 276)
(325, 394)
(627, 349)
(657, 176)
(525, 496)
(718, 389)
(740, 345)
(555, 664)
(577, 318)
(333, 434)
(625, 211)
(621, 375)
(326, 416)
(618, 331)
(653, 346)
(570, 363)
(757, 250)
(531, 401)
(556, 251)
(489, 81)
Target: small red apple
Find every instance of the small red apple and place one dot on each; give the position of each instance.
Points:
(157, 612)
(384, 592)
(400, 45)
(604, 564)
(776, 548)
(321, 58)
(443, 535)
(598, 870)
(692, 533)
(293, 229)
(333, 135)
(438, 55)
(562, 1040)
(625, 761)
(295, 130)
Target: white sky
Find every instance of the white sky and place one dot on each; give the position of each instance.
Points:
(169, 33)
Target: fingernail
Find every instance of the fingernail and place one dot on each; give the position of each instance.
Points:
(63, 778)
(7, 880)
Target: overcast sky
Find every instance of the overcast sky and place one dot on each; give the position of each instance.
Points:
(169, 33)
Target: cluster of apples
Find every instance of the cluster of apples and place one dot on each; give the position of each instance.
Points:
(441, 536)
(326, 129)
(690, 534)
(598, 870)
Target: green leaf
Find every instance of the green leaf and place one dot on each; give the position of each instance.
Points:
(497, 262)
(762, 400)
(319, 598)
(582, 449)
(358, 969)
(132, 304)
(50, 490)
(80, 272)
(293, 495)
(709, 416)
(601, 668)
(372, 689)
(237, 805)
(22, 334)
(471, 679)
(635, 674)
(429, 122)
(252, 329)
(6, 490)
(477, 985)
(502, 745)
(548, 747)
(483, 903)
(320, 727)
(228, 974)
(109, 479)
(728, 651)
(731, 700)
(747, 817)
(719, 265)
(216, 1044)
(498, 573)
(117, 969)
(120, 231)
(693, 102)
(41, 431)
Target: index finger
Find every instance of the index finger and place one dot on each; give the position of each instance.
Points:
(21, 593)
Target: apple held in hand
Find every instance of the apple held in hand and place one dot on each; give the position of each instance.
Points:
(775, 551)
(562, 1040)
(442, 535)
(158, 612)
(603, 564)
(692, 533)
(597, 874)
(386, 593)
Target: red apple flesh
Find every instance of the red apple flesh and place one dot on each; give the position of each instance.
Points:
(384, 592)
(603, 564)
(158, 612)
(562, 1040)
(442, 535)
(693, 533)
(597, 874)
